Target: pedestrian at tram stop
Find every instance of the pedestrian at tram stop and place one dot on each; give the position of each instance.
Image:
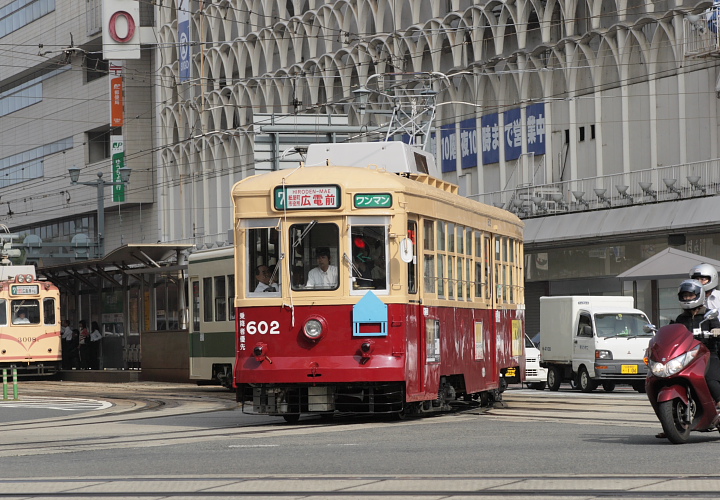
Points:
(95, 338)
(84, 346)
(67, 337)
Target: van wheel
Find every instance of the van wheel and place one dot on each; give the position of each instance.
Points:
(639, 386)
(553, 378)
(586, 384)
(608, 386)
(539, 386)
(291, 418)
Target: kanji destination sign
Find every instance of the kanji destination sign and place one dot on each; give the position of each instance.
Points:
(306, 197)
(373, 200)
(24, 289)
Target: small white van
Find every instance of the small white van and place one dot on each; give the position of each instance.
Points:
(535, 375)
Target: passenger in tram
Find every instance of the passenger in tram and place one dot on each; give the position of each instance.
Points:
(21, 318)
(325, 275)
(263, 275)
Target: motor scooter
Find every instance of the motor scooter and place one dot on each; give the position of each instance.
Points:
(676, 384)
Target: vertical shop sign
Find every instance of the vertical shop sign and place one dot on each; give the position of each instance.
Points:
(449, 147)
(535, 121)
(183, 20)
(513, 134)
(117, 153)
(468, 143)
(490, 138)
(117, 95)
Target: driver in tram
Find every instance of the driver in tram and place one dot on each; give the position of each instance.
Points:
(325, 275)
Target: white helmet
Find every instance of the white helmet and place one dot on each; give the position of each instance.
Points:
(694, 287)
(707, 271)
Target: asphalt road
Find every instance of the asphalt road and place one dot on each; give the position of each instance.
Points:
(187, 441)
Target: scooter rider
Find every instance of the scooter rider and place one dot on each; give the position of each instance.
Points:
(691, 296)
(707, 275)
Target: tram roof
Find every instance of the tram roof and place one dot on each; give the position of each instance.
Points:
(353, 178)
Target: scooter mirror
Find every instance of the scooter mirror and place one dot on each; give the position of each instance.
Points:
(711, 314)
(650, 328)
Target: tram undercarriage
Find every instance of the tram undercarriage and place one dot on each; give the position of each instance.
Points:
(372, 398)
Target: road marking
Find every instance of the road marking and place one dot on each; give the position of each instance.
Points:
(50, 403)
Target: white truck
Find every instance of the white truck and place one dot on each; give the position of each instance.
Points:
(593, 340)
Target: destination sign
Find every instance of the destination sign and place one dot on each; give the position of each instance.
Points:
(306, 197)
(373, 200)
(24, 289)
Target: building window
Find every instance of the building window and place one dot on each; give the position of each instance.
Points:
(98, 142)
(28, 165)
(19, 13)
(95, 67)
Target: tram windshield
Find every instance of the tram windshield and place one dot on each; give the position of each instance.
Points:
(369, 265)
(263, 247)
(3, 312)
(314, 256)
(25, 312)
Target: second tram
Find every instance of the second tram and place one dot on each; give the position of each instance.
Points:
(212, 316)
(371, 291)
(29, 322)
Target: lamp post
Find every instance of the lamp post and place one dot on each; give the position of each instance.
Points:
(100, 183)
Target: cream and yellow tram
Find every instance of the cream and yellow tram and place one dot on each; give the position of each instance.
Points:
(369, 291)
(29, 322)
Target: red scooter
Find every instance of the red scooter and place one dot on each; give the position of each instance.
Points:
(676, 385)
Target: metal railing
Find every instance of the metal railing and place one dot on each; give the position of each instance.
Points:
(653, 185)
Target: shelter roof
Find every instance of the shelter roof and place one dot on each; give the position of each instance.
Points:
(670, 263)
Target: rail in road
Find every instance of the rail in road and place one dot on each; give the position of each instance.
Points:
(622, 407)
(585, 487)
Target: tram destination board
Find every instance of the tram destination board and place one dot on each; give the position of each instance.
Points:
(24, 289)
(307, 197)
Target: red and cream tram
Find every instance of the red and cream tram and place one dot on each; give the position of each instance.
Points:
(29, 322)
(372, 289)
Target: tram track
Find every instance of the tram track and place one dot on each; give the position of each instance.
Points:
(587, 487)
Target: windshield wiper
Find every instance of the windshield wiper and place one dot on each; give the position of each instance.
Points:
(297, 242)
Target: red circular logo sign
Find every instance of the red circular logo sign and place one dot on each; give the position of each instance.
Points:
(130, 26)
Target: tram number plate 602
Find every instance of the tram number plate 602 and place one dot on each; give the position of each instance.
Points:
(262, 327)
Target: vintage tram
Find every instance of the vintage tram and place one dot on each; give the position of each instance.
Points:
(372, 289)
(211, 275)
(29, 322)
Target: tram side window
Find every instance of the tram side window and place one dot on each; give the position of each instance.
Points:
(207, 300)
(49, 311)
(412, 265)
(369, 265)
(220, 299)
(314, 256)
(231, 296)
(3, 312)
(263, 254)
(196, 306)
(25, 312)
(428, 255)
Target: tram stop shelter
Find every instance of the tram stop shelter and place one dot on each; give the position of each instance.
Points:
(136, 293)
(654, 282)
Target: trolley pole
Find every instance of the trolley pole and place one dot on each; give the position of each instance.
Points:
(5, 387)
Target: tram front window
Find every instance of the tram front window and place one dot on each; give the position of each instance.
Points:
(369, 265)
(314, 256)
(264, 276)
(25, 312)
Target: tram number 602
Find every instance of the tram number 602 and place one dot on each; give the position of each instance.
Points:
(263, 327)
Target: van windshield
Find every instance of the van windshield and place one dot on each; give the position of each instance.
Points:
(621, 325)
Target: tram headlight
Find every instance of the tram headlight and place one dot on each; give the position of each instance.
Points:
(28, 278)
(313, 329)
(21, 279)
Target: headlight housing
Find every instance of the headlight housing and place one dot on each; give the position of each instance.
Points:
(673, 366)
(603, 354)
(313, 329)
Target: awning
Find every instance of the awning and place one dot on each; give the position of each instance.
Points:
(668, 264)
(620, 223)
(129, 259)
